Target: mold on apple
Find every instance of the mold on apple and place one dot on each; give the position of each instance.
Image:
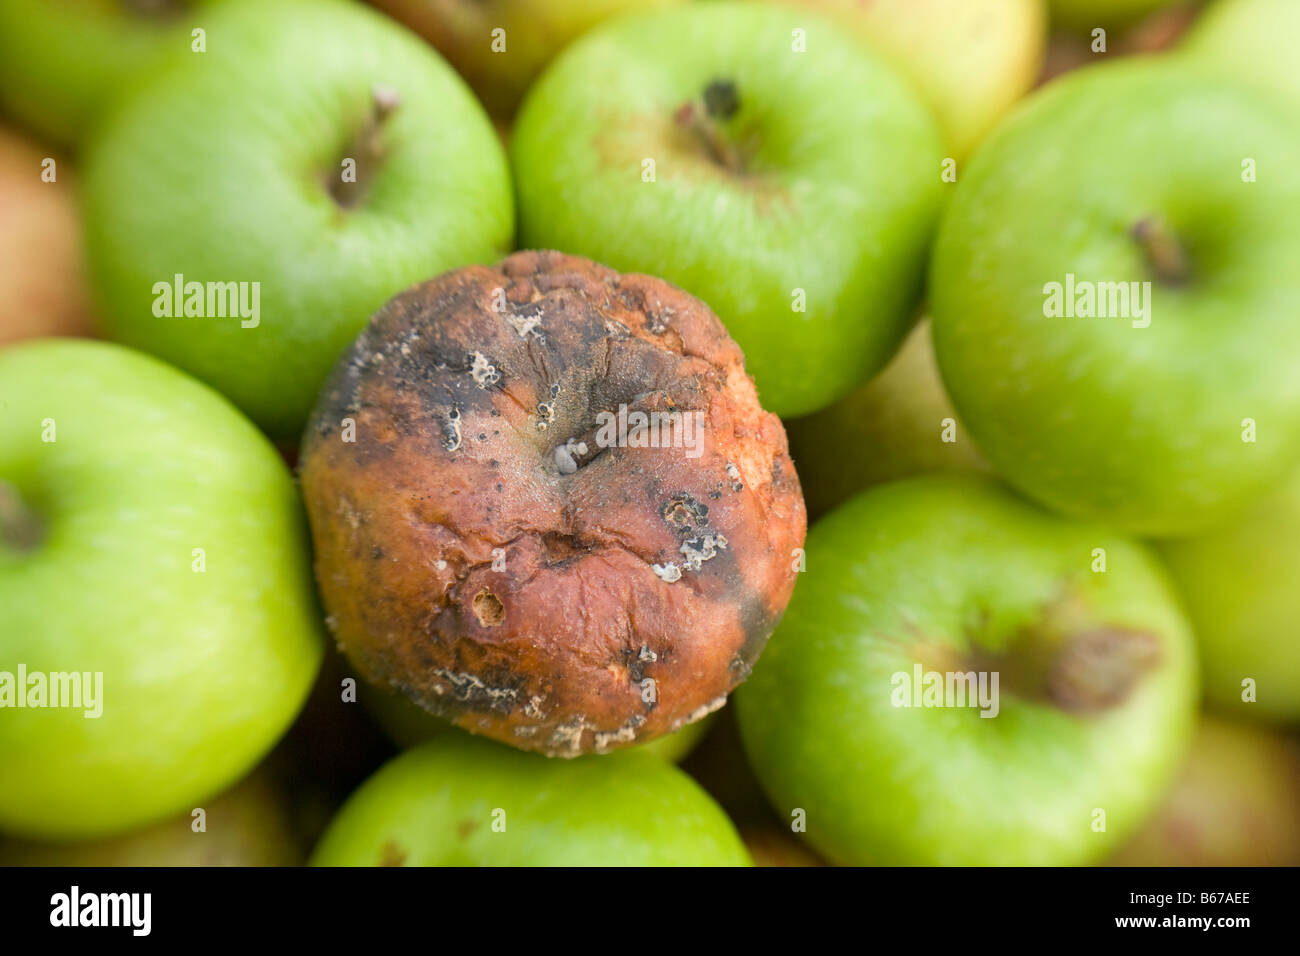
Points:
(565, 521)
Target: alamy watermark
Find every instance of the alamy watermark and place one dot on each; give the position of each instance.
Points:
(209, 300)
(632, 428)
(77, 690)
(923, 688)
(1083, 299)
(129, 910)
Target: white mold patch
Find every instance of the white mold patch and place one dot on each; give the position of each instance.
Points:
(469, 687)
(699, 713)
(703, 548)
(526, 323)
(668, 573)
(567, 455)
(483, 372)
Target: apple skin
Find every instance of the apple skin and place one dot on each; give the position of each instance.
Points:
(1253, 39)
(62, 64)
(248, 825)
(1241, 587)
(202, 672)
(43, 289)
(943, 571)
(969, 59)
(1235, 803)
(1088, 14)
(221, 171)
(407, 724)
(890, 428)
(1138, 428)
(535, 30)
(434, 806)
(838, 198)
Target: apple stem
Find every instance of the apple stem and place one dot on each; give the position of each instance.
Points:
(20, 528)
(1164, 253)
(704, 116)
(366, 151)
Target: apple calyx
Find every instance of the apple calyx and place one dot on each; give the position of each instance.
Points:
(1096, 670)
(704, 117)
(21, 529)
(1165, 254)
(366, 150)
(638, 419)
(1075, 666)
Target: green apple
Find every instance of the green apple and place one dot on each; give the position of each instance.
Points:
(1241, 587)
(1089, 14)
(460, 800)
(1254, 39)
(408, 724)
(1113, 294)
(248, 825)
(857, 717)
(500, 46)
(229, 171)
(758, 158)
(899, 424)
(64, 62)
(43, 288)
(153, 557)
(1235, 803)
(969, 59)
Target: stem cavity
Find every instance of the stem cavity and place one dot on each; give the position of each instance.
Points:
(1165, 254)
(705, 116)
(351, 178)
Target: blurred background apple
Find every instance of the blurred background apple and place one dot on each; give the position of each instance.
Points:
(1241, 587)
(1089, 14)
(1258, 40)
(43, 287)
(500, 67)
(893, 427)
(969, 59)
(62, 64)
(1236, 803)
(248, 825)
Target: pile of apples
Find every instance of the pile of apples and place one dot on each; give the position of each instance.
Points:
(1020, 277)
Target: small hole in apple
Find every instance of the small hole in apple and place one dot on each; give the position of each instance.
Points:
(488, 609)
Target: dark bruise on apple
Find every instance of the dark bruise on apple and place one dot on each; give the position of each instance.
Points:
(483, 549)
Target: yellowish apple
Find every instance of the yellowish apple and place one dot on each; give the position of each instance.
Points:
(901, 423)
(969, 59)
(500, 46)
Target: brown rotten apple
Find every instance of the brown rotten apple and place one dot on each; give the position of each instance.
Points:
(547, 504)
